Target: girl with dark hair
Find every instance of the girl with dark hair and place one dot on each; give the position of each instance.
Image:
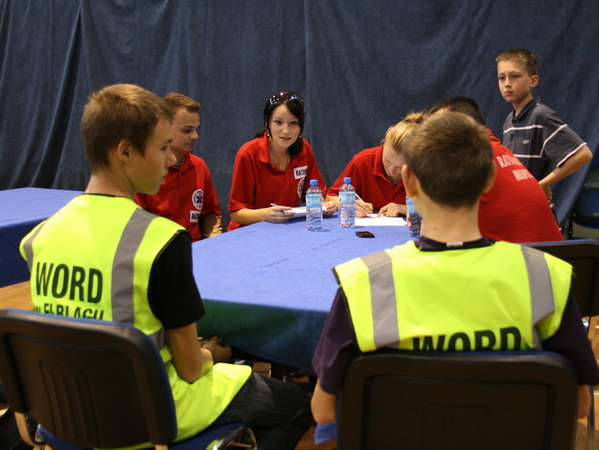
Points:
(270, 171)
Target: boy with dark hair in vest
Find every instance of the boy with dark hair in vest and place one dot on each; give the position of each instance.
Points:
(130, 266)
(451, 284)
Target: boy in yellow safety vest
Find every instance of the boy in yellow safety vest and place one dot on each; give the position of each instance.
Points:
(453, 289)
(102, 256)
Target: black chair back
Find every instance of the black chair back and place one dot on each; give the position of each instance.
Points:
(90, 383)
(583, 254)
(406, 400)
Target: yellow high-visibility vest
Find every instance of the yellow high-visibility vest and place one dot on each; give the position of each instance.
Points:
(93, 259)
(499, 297)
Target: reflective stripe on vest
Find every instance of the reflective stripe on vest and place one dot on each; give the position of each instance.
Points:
(122, 269)
(541, 291)
(382, 293)
(122, 272)
(384, 298)
(27, 245)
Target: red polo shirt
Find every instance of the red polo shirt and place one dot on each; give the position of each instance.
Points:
(257, 183)
(516, 208)
(186, 195)
(370, 181)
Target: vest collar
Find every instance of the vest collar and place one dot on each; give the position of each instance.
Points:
(427, 244)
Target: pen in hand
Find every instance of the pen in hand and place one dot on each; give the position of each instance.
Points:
(283, 210)
(367, 205)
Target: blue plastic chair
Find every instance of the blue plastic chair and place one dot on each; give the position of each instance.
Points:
(92, 384)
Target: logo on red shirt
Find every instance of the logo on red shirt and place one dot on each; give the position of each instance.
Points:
(198, 199)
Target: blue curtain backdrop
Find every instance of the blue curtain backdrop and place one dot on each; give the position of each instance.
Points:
(360, 65)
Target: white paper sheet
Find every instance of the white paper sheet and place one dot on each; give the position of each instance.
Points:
(299, 211)
(371, 220)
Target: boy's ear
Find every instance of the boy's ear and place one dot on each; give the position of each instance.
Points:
(534, 81)
(490, 180)
(410, 181)
(123, 151)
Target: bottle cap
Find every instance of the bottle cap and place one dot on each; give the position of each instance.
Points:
(347, 180)
(313, 182)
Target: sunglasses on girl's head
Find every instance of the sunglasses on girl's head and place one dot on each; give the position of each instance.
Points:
(280, 97)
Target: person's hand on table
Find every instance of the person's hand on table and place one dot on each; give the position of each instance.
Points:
(278, 214)
(328, 208)
(220, 351)
(363, 208)
(393, 210)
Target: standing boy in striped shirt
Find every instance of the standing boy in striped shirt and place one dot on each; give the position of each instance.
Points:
(542, 142)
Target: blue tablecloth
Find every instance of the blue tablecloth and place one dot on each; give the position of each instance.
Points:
(20, 211)
(268, 287)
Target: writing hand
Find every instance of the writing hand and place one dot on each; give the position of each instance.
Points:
(363, 208)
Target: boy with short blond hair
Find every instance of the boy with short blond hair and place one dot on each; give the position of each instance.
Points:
(544, 144)
(176, 100)
(376, 173)
(441, 292)
(187, 195)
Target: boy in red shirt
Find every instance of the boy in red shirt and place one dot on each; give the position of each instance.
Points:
(187, 195)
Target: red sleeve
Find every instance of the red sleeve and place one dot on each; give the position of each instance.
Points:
(347, 172)
(243, 182)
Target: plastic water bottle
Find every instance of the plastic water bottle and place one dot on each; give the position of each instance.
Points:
(415, 218)
(314, 206)
(347, 204)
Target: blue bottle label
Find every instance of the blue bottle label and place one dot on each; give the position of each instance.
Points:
(313, 200)
(347, 198)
